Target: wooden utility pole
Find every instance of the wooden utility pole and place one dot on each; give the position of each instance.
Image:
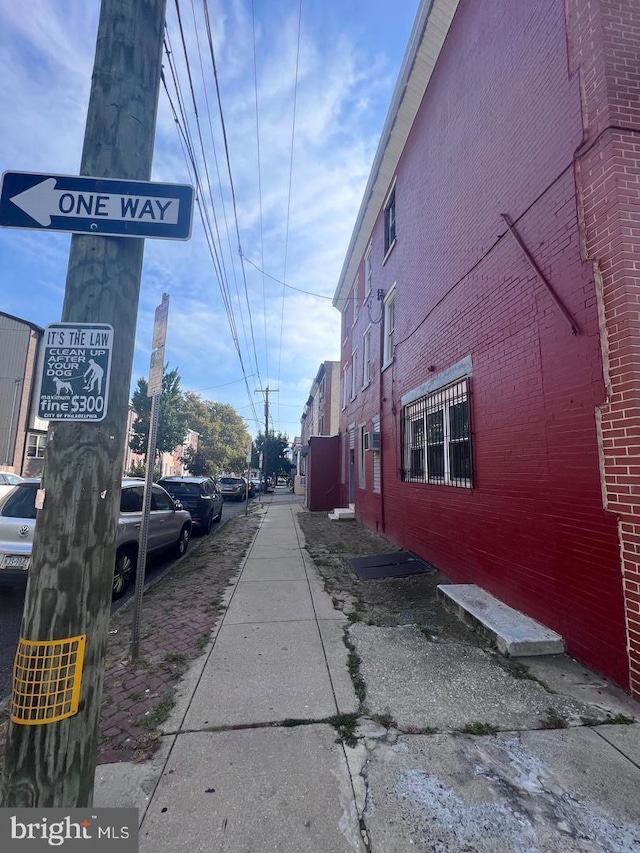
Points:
(52, 764)
(266, 392)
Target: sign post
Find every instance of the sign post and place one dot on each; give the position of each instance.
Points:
(154, 390)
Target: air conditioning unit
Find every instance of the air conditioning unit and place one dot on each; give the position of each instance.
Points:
(372, 441)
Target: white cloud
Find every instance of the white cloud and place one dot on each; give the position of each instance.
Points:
(46, 56)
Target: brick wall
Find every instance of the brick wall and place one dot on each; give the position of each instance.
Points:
(496, 133)
(604, 48)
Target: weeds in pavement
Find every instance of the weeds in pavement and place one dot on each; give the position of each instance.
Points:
(478, 728)
(154, 718)
(385, 719)
(615, 720)
(353, 665)
(345, 725)
(173, 657)
(202, 641)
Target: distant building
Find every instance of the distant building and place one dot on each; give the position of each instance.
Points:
(23, 436)
(320, 416)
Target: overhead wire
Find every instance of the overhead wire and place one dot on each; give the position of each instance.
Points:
(186, 137)
(228, 160)
(293, 134)
(255, 86)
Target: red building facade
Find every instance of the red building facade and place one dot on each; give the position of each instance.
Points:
(491, 340)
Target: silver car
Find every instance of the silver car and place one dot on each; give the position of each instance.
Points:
(169, 528)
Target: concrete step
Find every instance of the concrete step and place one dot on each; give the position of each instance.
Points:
(342, 514)
(514, 633)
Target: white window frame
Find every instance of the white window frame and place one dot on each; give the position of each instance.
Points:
(389, 325)
(362, 481)
(389, 239)
(354, 373)
(345, 322)
(356, 304)
(367, 273)
(345, 388)
(38, 446)
(366, 358)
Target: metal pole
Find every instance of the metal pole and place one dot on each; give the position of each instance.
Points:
(144, 526)
(16, 382)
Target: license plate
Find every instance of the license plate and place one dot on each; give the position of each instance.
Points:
(15, 562)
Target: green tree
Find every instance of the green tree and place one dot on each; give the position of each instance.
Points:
(277, 462)
(222, 440)
(172, 420)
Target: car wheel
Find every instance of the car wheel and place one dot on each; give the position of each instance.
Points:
(183, 542)
(207, 528)
(218, 517)
(123, 572)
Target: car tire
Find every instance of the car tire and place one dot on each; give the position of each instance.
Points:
(180, 548)
(218, 517)
(123, 573)
(207, 528)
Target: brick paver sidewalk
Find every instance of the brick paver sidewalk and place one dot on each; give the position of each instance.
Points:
(178, 615)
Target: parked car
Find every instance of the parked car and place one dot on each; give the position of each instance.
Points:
(201, 496)
(255, 484)
(7, 482)
(233, 488)
(251, 489)
(169, 528)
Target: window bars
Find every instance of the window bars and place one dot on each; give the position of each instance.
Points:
(436, 438)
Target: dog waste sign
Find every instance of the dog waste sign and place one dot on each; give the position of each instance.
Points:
(75, 372)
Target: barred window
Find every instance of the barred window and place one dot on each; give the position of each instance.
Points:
(436, 438)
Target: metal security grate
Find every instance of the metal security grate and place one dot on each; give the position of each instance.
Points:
(436, 438)
(46, 680)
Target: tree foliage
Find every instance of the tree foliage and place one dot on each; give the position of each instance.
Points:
(172, 420)
(276, 462)
(223, 437)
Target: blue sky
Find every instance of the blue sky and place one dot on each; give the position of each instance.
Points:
(295, 210)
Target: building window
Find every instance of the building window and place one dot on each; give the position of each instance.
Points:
(356, 300)
(354, 374)
(390, 222)
(36, 445)
(389, 322)
(366, 358)
(345, 321)
(361, 458)
(436, 438)
(367, 273)
(377, 478)
(346, 386)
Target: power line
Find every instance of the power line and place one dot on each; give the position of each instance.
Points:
(293, 132)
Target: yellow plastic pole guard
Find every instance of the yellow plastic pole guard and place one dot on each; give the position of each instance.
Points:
(46, 680)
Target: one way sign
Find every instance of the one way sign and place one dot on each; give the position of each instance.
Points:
(104, 206)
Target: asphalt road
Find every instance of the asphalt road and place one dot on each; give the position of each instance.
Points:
(12, 602)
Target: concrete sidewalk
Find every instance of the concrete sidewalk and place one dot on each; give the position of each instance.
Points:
(251, 758)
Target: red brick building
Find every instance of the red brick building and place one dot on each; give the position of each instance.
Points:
(491, 315)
